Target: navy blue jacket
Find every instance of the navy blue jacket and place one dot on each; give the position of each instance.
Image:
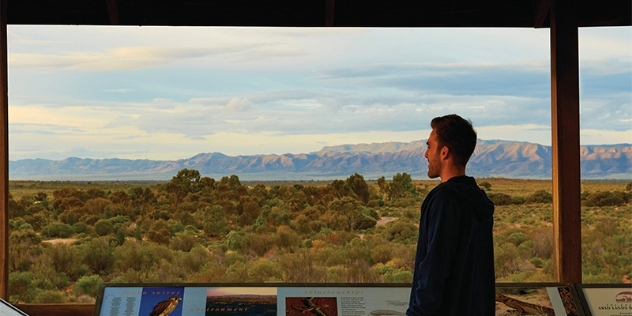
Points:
(454, 265)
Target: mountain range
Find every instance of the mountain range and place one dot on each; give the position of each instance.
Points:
(491, 158)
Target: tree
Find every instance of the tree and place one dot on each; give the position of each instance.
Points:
(15, 209)
(400, 231)
(345, 214)
(186, 181)
(97, 254)
(215, 224)
(401, 186)
(143, 199)
(358, 186)
(263, 271)
(20, 285)
(339, 189)
(103, 227)
(119, 197)
(24, 248)
(381, 183)
(250, 211)
(57, 229)
(95, 206)
(286, 238)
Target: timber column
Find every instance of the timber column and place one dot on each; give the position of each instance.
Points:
(4, 155)
(565, 132)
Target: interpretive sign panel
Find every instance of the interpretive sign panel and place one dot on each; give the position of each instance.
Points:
(270, 299)
(607, 299)
(342, 300)
(7, 309)
(537, 299)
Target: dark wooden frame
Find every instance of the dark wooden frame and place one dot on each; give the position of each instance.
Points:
(563, 18)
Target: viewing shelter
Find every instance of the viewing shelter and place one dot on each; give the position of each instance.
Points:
(562, 17)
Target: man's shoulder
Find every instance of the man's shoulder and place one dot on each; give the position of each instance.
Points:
(455, 185)
(445, 188)
(442, 194)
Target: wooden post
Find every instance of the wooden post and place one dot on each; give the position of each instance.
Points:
(565, 132)
(4, 155)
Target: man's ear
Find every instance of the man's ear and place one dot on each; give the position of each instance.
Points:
(445, 152)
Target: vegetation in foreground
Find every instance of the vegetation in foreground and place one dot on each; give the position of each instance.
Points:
(66, 238)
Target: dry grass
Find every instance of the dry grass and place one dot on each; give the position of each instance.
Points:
(17, 189)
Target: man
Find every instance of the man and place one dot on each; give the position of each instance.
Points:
(454, 265)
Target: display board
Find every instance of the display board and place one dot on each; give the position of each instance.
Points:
(249, 299)
(606, 299)
(311, 299)
(537, 299)
(7, 309)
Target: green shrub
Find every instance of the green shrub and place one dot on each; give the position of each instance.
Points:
(400, 231)
(370, 212)
(500, 198)
(88, 285)
(19, 283)
(398, 276)
(103, 227)
(50, 297)
(537, 262)
(604, 198)
(80, 227)
(57, 229)
(516, 238)
(486, 185)
(540, 196)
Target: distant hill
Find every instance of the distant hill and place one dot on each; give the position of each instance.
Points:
(492, 158)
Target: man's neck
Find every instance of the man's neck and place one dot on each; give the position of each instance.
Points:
(451, 172)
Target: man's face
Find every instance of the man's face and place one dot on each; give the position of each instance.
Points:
(433, 154)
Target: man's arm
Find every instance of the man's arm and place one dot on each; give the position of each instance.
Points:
(434, 270)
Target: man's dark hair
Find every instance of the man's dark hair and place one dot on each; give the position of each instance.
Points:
(457, 134)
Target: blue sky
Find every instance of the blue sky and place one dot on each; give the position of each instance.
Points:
(173, 92)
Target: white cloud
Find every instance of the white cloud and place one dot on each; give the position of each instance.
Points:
(122, 90)
(605, 43)
(596, 137)
(170, 93)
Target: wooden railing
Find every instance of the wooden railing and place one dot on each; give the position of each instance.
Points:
(57, 309)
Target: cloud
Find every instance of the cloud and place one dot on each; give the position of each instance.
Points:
(524, 79)
(290, 114)
(43, 129)
(117, 59)
(605, 43)
(600, 136)
(174, 92)
(122, 90)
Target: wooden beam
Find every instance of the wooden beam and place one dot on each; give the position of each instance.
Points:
(543, 7)
(4, 155)
(330, 6)
(112, 12)
(56, 309)
(565, 132)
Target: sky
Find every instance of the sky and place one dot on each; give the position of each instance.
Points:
(168, 93)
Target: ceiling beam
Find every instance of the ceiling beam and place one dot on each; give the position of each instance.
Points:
(542, 9)
(112, 12)
(330, 6)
